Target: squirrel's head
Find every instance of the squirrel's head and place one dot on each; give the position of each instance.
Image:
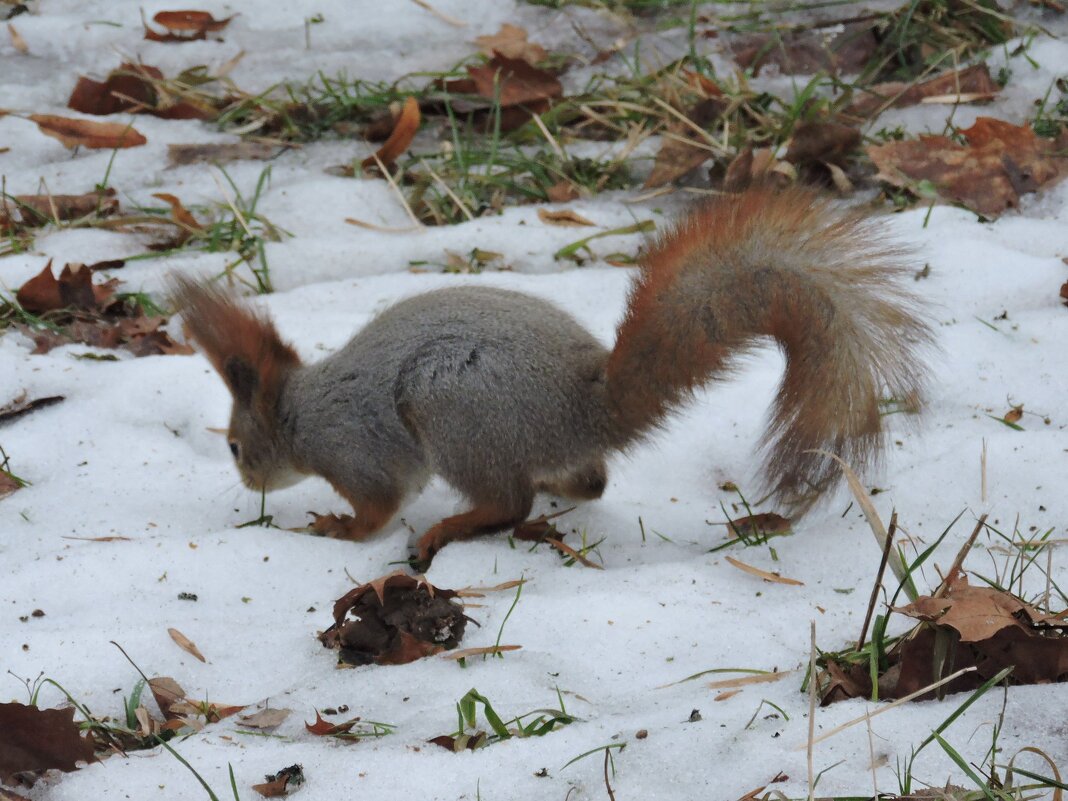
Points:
(245, 349)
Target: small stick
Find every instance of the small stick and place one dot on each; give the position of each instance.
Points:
(893, 705)
(400, 195)
(811, 712)
(982, 480)
(954, 569)
(607, 786)
(456, 23)
(878, 578)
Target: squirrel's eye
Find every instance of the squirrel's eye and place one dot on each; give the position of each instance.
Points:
(234, 449)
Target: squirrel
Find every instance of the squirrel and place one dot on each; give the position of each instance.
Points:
(504, 395)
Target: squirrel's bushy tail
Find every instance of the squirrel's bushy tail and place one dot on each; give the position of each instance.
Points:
(822, 281)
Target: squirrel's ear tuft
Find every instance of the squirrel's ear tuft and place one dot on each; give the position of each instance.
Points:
(241, 343)
(242, 379)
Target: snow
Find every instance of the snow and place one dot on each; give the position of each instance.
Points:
(130, 453)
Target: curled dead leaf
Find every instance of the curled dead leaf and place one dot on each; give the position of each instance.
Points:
(185, 644)
(185, 26)
(564, 217)
(775, 578)
(393, 620)
(401, 139)
(17, 41)
(88, 133)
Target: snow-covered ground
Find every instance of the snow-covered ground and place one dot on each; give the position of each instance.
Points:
(130, 453)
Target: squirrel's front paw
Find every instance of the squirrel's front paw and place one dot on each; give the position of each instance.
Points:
(339, 527)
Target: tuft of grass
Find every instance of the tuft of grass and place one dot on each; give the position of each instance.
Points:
(542, 721)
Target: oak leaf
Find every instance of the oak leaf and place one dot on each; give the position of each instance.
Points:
(999, 163)
(33, 739)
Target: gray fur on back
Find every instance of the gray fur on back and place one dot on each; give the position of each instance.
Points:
(486, 387)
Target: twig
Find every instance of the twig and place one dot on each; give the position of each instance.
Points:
(962, 554)
(982, 475)
(878, 578)
(893, 705)
(400, 195)
(233, 207)
(607, 786)
(549, 137)
(455, 199)
(456, 23)
(811, 711)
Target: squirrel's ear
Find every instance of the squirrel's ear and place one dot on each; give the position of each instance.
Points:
(241, 378)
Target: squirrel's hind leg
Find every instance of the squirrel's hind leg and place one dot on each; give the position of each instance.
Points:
(586, 483)
(486, 518)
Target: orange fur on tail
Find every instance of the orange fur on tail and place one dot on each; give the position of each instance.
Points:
(819, 280)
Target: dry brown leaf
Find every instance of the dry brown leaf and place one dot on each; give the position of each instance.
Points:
(167, 693)
(999, 163)
(186, 644)
(817, 142)
(73, 289)
(113, 538)
(30, 211)
(400, 140)
(562, 192)
(516, 81)
(973, 82)
(8, 484)
(745, 681)
(17, 41)
(678, 155)
(33, 739)
(567, 550)
(723, 696)
(464, 653)
(511, 41)
(185, 26)
(179, 213)
(564, 217)
(88, 133)
(219, 152)
(265, 718)
(393, 620)
(20, 406)
(759, 525)
(808, 51)
(763, 574)
(480, 592)
(132, 88)
(1014, 415)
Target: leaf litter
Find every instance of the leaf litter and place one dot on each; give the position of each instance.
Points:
(393, 620)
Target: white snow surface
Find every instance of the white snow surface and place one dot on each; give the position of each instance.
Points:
(130, 453)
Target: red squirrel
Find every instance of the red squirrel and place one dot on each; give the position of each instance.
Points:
(505, 395)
